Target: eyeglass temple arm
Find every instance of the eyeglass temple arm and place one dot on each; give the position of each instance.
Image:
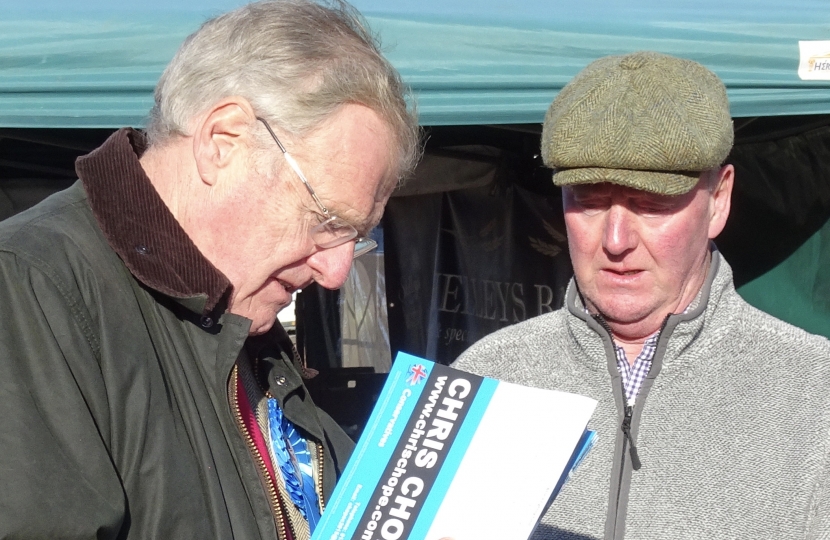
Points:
(296, 167)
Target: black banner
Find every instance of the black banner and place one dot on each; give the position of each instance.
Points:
(466, 263)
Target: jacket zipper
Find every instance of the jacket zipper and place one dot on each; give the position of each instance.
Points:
(628, 440)
(626, 428)
(271, 489)
(319, 485)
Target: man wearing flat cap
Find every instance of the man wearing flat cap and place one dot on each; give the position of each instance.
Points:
(713, 418)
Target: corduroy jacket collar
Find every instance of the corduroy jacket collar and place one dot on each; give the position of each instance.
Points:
(141, 229)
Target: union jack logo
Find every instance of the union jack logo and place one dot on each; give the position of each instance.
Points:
(417, 373)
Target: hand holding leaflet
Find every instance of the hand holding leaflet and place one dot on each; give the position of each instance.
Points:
(444, 447)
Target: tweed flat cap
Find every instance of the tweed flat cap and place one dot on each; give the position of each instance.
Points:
(644, 120)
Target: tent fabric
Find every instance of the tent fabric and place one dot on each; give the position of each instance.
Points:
(94, 63)
(798, 289)
(778, 233)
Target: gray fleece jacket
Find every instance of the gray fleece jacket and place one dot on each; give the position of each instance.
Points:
(731, 427)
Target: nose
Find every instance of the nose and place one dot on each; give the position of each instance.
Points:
(620, 234)
(331, 266)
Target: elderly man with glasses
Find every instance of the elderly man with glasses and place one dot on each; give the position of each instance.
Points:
(147, 391)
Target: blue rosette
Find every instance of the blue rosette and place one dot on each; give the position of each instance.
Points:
(290, 451)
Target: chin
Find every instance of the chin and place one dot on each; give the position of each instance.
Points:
(262, 315)
(258, 329)
(262, 323)
(624, 312)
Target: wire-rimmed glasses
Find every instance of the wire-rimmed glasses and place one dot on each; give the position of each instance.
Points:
(332, 231)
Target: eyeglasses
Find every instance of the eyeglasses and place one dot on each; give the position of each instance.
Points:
(332, 231)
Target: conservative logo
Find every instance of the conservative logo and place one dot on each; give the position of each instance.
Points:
(416, 374)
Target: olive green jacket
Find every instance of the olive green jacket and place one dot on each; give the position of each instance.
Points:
(115, 362)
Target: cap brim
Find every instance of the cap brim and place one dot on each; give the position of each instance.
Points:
(662, 183)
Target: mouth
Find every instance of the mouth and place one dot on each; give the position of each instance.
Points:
(289, 288)
(623, 272)
(292, 287)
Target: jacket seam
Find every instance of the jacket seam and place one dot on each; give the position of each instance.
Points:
(80, 317)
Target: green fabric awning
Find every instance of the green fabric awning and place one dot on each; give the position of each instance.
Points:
(798, 289)
(90, 63)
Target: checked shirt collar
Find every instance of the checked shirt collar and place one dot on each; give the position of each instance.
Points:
(634, 375)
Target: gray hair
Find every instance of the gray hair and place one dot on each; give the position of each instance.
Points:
(296, 61)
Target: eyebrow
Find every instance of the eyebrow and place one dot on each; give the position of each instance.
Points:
(363, 229)
(361, 226)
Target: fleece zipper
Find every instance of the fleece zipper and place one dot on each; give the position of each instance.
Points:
(627, 458)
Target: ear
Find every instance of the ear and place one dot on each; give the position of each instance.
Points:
(219, 136)
(720, 200)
